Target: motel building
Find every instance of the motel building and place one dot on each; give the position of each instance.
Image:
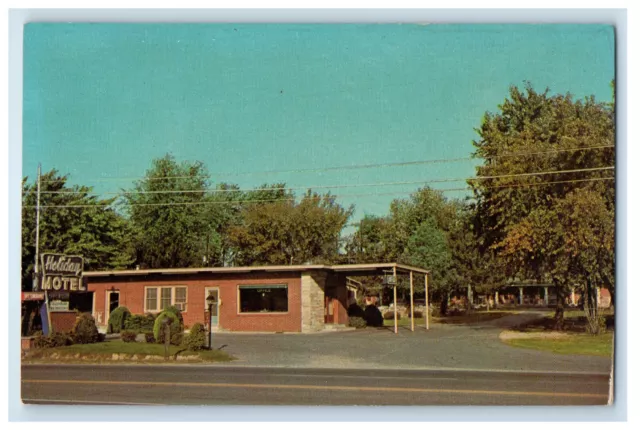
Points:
(303, 299)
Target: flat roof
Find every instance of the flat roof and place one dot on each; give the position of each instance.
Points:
(368, 269)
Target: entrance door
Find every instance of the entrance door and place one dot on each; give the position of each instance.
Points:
(112, 302)
(215, 310)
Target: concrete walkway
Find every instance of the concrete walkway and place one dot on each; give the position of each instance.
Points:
(475, 346)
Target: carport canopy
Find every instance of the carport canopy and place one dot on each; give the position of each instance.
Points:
(382, 269)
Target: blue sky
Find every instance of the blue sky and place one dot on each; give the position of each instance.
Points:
(102, 100)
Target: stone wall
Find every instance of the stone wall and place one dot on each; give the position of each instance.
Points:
(313, 285)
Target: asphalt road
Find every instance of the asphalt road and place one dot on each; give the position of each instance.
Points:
(216, 385)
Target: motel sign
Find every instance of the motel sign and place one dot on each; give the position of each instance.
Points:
(62, 272)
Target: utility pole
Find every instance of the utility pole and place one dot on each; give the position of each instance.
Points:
(36, 270)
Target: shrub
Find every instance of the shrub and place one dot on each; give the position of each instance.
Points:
(140, 323)
(355, 311)
(128, 335)
(53, 341)
(117, 319)
(195, 340)
(177, 312)
(373, 316)
(389, 315)
(417, 314)
(176, 327)
(148, 337)
(85, 330)
(357, 322)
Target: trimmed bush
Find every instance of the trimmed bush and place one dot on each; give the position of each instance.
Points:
(389, 315)
(117, 319)
(417, 314)
(355, 311)
(128, 335)
(148, 337)
(373, 316)
(85, 330)
(177, 312)
(196, 338)
(140, 323)
(357, 322)
(176, 327)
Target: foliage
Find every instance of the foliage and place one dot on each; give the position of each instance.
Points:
(558, 227)
(117, 319)
(54, 340)
(140, 323)
(389, 315)
(85, 330)
(169, 224)
(373, 316)
(95, 230)
(357, 322)
(195, 341)
(354, 310)
(128, 335)
(149, 338)
(286, 232)
(175, 328)
(177, 312)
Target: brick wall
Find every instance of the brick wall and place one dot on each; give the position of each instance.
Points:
(63, 321)
(132, 296)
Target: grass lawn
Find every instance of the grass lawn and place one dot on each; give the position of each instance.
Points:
(473, 317)
(583, 344)
(131, 350)
(406, 322)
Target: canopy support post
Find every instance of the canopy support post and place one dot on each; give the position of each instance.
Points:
(411, 297)
(395, 302)
(426, 301)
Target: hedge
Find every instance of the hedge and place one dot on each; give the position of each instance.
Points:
(140, 323)
(55, 340)
(357, 322)
(117, 319)
(128, 335)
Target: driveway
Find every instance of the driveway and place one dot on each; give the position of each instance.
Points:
(475, 346)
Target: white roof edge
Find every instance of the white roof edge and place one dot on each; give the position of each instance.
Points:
(244, 269)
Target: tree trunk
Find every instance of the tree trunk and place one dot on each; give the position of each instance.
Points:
(444, 304)
(559, 316)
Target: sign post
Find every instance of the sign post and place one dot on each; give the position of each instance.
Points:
(61, 274)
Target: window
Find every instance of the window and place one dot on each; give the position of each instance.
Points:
(263, 298)
(180, 298)
(169, 296)
(152, 299)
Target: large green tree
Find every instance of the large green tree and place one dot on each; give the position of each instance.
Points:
(522, 214)
(170, 213)
(290, 232)
(72, 221)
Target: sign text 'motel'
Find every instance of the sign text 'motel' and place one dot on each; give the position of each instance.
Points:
(62, 272)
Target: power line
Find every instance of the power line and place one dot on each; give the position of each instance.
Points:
(335, 196)
(376, 184)
(354, 167)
